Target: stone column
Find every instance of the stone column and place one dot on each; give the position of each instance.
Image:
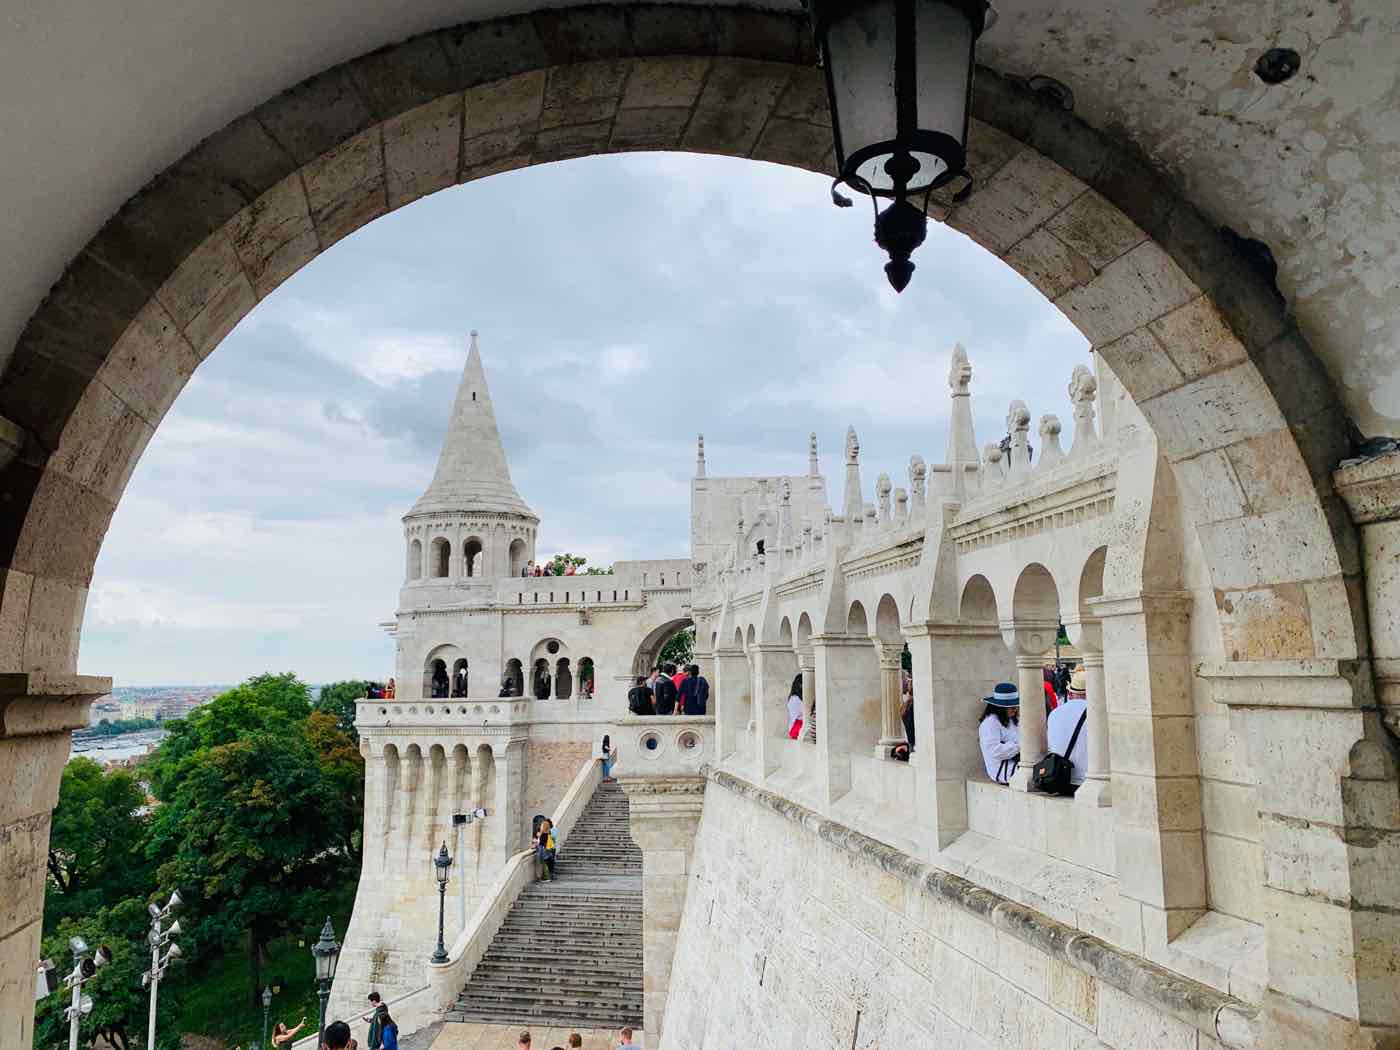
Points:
(1329, 816)
(807, 663)
(38, 713)
(774, 668)
(1030, 682)
(1156, 775)
(509, 837)
(1096, 789)
(1086, 635)
(732, 692)
(664, 817)
(891, 728)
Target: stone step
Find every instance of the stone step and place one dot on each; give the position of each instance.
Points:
(586, 968)
(567, 1004)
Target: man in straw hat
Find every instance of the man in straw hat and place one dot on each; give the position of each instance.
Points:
(1060, 726)
(999, 732)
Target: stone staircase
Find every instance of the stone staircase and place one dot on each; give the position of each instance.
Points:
(570, 951)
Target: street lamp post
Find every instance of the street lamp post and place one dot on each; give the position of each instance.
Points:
(899, 83)
(267, 1005)
(158, 939)
(326, 952)
(83, 969)
(442, 866)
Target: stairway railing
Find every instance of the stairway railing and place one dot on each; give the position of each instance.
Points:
(446, 980)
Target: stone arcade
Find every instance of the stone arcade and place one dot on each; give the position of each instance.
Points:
(1225, 244)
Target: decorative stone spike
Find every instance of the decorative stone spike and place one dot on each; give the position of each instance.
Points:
(1051, 454)
(813, 470)
(918, 473)
(993, 471)
(1083, 388)
(901, 506)
(853, 502)
(1018, 425)
(883, 488)
(700, 456)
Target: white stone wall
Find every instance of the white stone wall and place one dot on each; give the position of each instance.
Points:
(821, 938)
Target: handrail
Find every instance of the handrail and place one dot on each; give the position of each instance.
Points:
(447, 979)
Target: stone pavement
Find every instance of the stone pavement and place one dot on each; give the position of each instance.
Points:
(502, 1037)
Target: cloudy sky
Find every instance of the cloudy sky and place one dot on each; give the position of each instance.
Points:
(625, 304)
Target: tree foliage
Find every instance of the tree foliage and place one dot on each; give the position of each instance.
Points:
(679, 648)
(339, 699)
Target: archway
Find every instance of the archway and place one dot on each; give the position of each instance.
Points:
(563, 679)
(472, 557)
(460, 681)
(517, 557)
(651, 645)
(514, 678)
(440, 560)
(157, 289)
(436, 681)
(415, 560)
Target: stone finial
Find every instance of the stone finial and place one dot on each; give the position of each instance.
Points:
(1083, 388)
(918, 473)
(883, 488)
(813, 470)
(1018, 425)
(871, 520)
(1050, 451)
(992, 469)
(852, 447)
(700, 456)
(959, 372)
(901, 506)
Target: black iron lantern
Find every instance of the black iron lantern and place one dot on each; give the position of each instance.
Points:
(899, 82)
(326, 952)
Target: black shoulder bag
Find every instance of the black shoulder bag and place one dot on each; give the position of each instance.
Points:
(1052, 773)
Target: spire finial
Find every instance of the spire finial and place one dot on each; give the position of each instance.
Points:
(700, 456)
(812, 468)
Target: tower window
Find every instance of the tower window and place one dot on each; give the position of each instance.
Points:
(473, 395)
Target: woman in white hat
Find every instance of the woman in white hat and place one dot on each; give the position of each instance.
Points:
(1000, 732)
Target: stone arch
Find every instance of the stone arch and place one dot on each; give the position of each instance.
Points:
(750, 637)
(461, 679)
(979, 602)
(515, 677)
(887, 620)
(461, 779)
(541, 681)
(651, 644)
(517, 556)
(440, 558)
(857, 623)
(785, 631)
(473, 557)
(1091, 579)
(415, 560)
(587, 682)
(437, 680)
(804, 631)
(1036, 597)
(563, 679)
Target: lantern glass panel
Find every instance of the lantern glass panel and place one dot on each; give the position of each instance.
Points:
(860, 62)
(944, 50)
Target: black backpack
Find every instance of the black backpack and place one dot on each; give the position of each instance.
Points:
(665, 695)
(1052, 773)
(638, 700)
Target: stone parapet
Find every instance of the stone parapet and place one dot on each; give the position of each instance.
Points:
(1213, 1014)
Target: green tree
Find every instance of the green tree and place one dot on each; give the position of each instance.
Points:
(247, 829)
(339, 699)
(679, 648)
(119, 1002)
(96, 841)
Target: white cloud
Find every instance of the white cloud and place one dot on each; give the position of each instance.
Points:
(118, 601)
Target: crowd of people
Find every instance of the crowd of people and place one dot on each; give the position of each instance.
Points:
(670, 691)
(549, 568)
(999, 730)
(376, 691)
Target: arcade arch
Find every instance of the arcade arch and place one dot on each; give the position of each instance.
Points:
(159, 286)
(440, 558)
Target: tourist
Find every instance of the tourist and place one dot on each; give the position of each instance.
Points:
(571, 570)
(439, 681)
(794, 708)
(1052, 698)
(694, 692)
(529, 569)
(575, 1041)
(459, 684)
(676, 674)
(664, 690)
(375, 1017)
(1064, 732)
(639, 699)
(999, 732)
(900, 752)
(1075, 684)
(609, 759)
(624, 1040)
(283, 1036)
(906, 709)
(545, 847)
(389, 1030)
(524, 1040)
(390, 690)
(337, 1036)
(542, 684)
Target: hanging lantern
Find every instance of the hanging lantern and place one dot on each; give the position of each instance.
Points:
(899, 82)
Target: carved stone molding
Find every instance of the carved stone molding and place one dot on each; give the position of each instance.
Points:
(32, 704)
(1371, 488)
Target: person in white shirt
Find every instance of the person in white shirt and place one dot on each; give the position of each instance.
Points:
(794, 703)
(999, 732)
(1060, 725)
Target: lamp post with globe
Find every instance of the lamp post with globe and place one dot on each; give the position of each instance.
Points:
(326, 952)
(442, 867)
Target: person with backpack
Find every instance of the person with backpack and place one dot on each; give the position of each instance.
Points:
(1066, 741)
(545, 845)
(665, 693)
(639, 699)
(694, 692)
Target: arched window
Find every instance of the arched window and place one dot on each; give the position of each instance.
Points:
(541, 680)
(415, 560)
(471, 557)
(459, 678)
(442, 558)
(585, 678)
(514, 679)
(563, 679)
(517, 557)
(435, 680)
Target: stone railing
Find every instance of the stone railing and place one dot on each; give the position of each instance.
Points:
(663, 745)
(446, 980)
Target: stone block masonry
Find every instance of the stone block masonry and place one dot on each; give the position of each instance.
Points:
(822, 937)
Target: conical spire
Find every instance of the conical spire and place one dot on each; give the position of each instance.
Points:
(472, 472)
